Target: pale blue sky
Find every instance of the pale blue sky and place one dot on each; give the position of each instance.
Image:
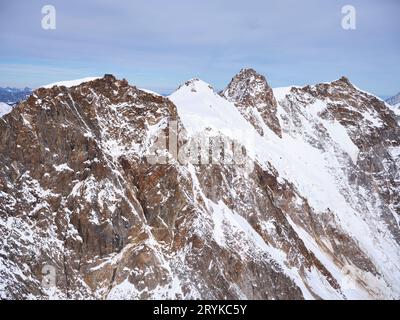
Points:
(159, 44)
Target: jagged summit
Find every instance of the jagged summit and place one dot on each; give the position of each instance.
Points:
(246, 84)
(255, 99)
(248, 72)
(343, 81)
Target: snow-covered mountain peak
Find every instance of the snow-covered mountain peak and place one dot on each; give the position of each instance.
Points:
(339, 84)
(255, 99)
(201, 108)
(195, 85)
(246, 84)
(344, 81)
(249, 72)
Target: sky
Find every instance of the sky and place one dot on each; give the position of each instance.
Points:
(160, 44)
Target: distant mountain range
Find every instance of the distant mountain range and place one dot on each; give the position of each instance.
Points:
(395, 100)
(13, 95)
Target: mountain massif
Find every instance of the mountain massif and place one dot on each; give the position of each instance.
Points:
(108, 191)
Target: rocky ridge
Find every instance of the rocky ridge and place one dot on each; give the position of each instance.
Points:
(316, 216)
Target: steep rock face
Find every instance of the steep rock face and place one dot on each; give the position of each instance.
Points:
(255, 100)
(372, 129)
(127, 194)
(78, 195)
(315, 158)
(64, 202)
(364, 138)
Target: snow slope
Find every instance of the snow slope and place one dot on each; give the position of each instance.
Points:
(281, 92)
(316, 173)
(395, 109)
(201, 108)
(4, 108)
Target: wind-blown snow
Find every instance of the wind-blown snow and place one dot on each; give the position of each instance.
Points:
(70, 83)
(150, 91)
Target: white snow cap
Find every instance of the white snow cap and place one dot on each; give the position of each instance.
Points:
(150, 91)
(70, 83)
(200, 107)
(195, 85)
